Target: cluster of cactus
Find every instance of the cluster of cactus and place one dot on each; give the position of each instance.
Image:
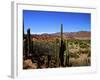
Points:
(61, 49)
(28, 44)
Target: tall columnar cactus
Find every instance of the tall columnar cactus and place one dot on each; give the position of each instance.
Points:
(62, 32)
(57, 52)
(28, 42)
(62, 48)
(67, 54)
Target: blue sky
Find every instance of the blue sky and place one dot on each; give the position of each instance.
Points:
(50, 22)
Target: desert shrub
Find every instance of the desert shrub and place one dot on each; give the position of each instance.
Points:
(80, 62)
(88, 41)
(76, 42)
(85, 43)
(85, 51)
(43, 47)
(82, 45)
(89, 53)
(27, 64)
(74, 55)
(52, 62)
(70, 43)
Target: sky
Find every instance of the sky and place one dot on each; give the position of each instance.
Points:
(41, 22)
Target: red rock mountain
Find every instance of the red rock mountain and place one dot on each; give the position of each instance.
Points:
(84, 35)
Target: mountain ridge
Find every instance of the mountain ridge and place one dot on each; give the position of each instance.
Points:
(83, 35)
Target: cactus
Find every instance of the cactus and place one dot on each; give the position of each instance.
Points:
(67, 54)
(29, 44)
(62, 48)
(57, 52)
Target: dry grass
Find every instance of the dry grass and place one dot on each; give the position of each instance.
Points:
(27, 64)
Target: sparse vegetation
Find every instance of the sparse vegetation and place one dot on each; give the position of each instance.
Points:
(57, 52)
(46, 54)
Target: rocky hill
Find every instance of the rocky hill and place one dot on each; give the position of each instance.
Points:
(83, 35)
